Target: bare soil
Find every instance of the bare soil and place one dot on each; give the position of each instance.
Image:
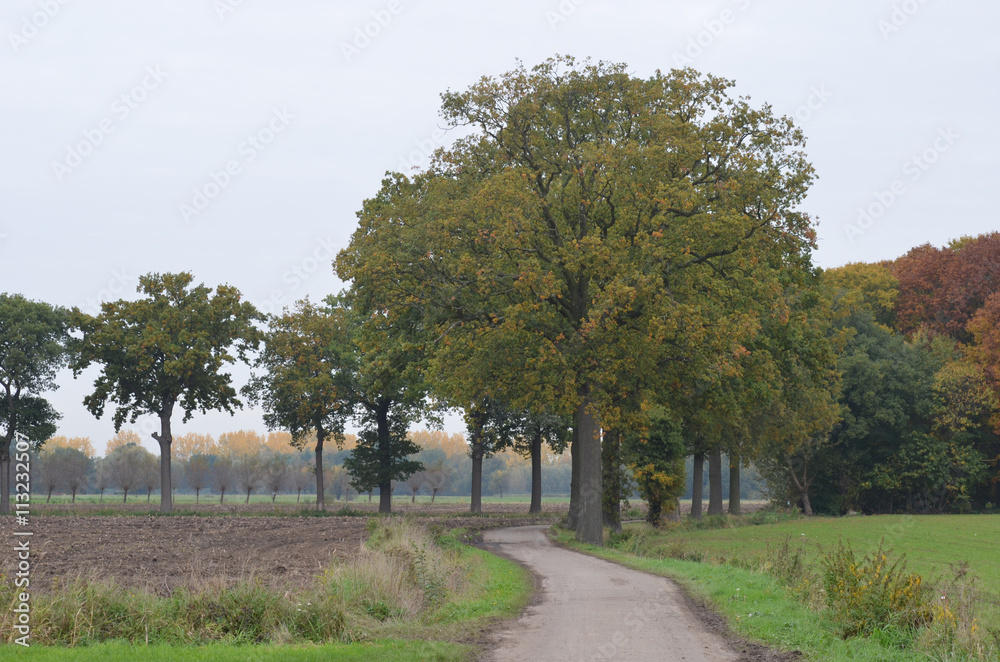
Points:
(197, 552)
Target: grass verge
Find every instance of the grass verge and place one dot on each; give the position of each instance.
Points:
(389, 651)
(760, 608)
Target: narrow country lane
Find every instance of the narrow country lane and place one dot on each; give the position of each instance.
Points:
(591, 610)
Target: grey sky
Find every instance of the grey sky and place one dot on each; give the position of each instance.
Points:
(113, 114)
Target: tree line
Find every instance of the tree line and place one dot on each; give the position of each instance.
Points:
(613, 265)
(243, 463)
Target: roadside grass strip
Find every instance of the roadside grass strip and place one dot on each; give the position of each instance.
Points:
(758, 608)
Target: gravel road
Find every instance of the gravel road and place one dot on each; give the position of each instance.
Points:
(590, 609)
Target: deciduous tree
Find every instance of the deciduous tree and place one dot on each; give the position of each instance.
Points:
(306, 387)
(165, 350)
(32, 350)
(64, 466)
(580, 226)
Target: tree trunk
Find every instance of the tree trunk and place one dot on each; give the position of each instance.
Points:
(476, 505)
(320, 487)
(12, 401)
(611, 512)
(734, 485)
(802, 485)
(715, 482)
(697, 484)
(413, 498)
(101, 500)
(536, 473)
(589, 527)
(165, 439)
(385, 461)
(248, 496)
(73, 500)
(806, 506)
(197, 496)
(5, 474)
(124, 496)
(222, 495)
(573, 518)
(149, 495)
(298, 496)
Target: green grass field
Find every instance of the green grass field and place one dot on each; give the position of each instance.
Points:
(931, 543)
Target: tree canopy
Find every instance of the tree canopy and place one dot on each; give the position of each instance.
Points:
(165, 350)
(593, 222)
(33, 339)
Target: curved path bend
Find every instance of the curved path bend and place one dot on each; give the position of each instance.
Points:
(594, 610)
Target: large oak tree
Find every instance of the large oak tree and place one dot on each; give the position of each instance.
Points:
(165, 350)
(583, 223)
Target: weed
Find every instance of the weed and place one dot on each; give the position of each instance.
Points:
(873, 593)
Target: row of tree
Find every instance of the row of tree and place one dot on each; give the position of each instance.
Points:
(243, 462)
(607, 263)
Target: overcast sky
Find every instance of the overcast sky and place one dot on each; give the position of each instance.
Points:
(119, 120)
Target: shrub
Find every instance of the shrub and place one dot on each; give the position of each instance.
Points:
(873, 594)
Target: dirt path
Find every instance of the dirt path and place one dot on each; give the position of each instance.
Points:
(590, 609)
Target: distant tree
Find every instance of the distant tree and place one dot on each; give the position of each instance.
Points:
(241, 442)
(414, 482)
(437, 476)
(223, 475)
(249, 472)
(198, 470)
(123, 438)
(301, 477)
(149, 478)
(339, 481)
(275, 472)
(102, 476)
(940, 289)
(65, 467)
(82, 444)
(165, 350)
(193, 443)
(126, 466)
(32, 351)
